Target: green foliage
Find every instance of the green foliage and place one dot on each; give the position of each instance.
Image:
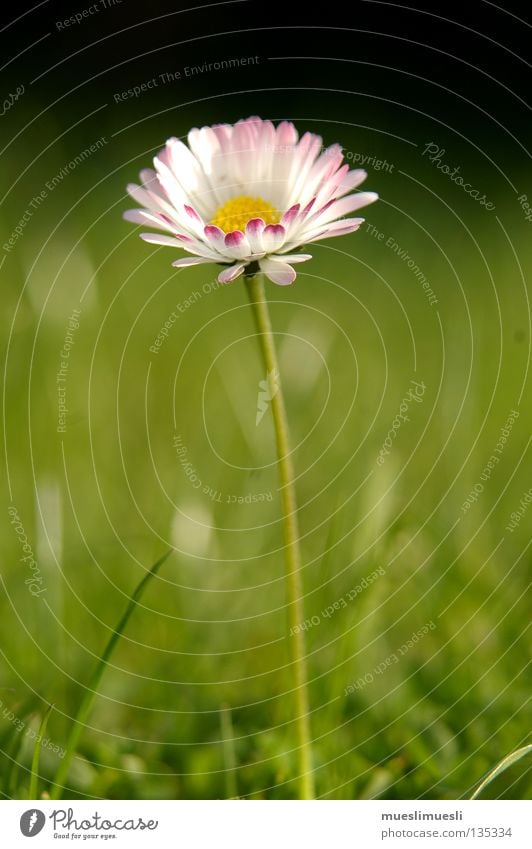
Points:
(195, 702)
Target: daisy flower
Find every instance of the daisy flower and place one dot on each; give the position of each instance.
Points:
(248, 194)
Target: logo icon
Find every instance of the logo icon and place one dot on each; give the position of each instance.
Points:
(32, 822)
(267, 390)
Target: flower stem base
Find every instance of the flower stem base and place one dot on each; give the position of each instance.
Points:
(255, 288)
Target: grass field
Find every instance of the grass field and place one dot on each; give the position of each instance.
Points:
(415, 582)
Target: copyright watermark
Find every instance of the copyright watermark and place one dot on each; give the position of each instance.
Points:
(83, 15)
(435, 155)
(35, 581)
(390, 660)
(415, 394)
(196, 482)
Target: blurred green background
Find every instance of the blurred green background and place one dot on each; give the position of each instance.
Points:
(196, 702)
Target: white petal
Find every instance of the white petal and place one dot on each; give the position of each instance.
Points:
(191, 260)
(187, 243)
(336, 228)
(277, 271)
(154, 201)
(346, 205)
(189, 175)
(303, 159)
(141, 195)
(286, 135)
(205, 145)
(194, 221)
(231, 273)
(330, 188)
(352, 180)
(142, 216)
(169, 184)
(293, 258)
(161, 239)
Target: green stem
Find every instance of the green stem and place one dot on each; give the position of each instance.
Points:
(259, 305)
(91, 690)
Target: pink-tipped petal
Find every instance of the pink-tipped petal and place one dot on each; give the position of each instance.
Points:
(318, 214)
(306, 210)
(254, 231)
(215, 238)
(214, 233)
(191, 212)
(236, 245)
(190, 220)
(273, 237)
(290, 214)
(234, 239)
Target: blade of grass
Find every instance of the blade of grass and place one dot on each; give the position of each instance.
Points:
(228, 748)
(501, 767)
(34, 776)
(11, 782)
(11, 745)
(92, 688)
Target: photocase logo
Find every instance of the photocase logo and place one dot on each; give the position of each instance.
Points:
(32, 822)
(268, 389)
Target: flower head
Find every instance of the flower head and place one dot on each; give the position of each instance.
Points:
(248, 193)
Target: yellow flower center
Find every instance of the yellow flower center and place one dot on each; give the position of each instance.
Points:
(234, 214)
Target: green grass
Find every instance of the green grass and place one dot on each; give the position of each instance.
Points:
(195, 702)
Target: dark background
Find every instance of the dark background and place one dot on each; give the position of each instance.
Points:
(100, 503)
